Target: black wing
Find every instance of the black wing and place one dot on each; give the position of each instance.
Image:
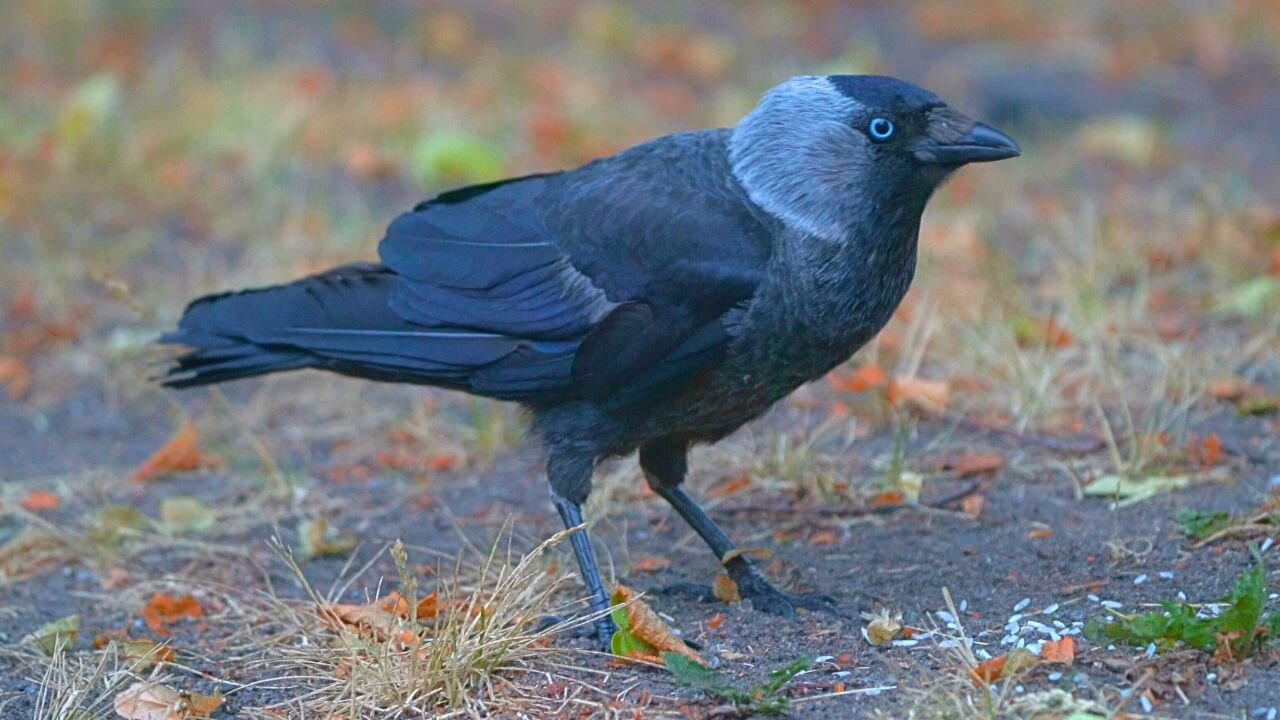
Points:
(616, 277)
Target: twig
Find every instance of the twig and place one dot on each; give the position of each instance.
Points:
(938, 504)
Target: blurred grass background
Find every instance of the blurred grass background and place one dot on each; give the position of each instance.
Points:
(153, 151)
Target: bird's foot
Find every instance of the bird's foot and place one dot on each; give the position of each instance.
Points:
(601, 630)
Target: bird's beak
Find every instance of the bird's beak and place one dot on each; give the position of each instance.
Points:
(980, 143)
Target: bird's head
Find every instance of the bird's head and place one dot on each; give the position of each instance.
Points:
(822, 152)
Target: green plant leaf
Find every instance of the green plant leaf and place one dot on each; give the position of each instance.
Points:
(51, 636)
(624, 644)
(1199, 525)
(179, 515)
(689, 673)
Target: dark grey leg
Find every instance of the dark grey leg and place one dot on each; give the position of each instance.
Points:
(664, 464)
(568, 490)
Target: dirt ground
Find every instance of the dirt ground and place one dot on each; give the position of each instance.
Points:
(1107, 307)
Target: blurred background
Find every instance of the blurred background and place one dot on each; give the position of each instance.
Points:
(154, 151)
(1104, 309)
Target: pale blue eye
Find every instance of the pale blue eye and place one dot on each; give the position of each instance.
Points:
(881, 129)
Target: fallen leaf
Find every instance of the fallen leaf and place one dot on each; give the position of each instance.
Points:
(150, 701)
(180, 454)
(317, 538)
(716, 621)
(726, 590)
(55, 635)
(428, 607)
(164, 610)
(379, 620)
(927, 395)
(1002, 666)
(731, 486)
(1059, 651)
(16, 375)
(1040, 534)
(824, 537)
(442, 462)
(888, 498)
(186, 515)
(861, 380)
(758, 553)
(141, 653)
(1232, 388)
(972, 505)
(1132, 490)
(38, 500)
(652, 563)
(976, 463)
(637, 621)
(883, 628)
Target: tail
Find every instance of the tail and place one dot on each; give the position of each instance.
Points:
(343, 321)
(243, 334)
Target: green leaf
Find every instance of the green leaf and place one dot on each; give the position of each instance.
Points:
(454, 156)
(688, 672)
(179, 515)
(52, 636)
(1244, 609)
(1199, 525)
(1131, 490)
(112, 524)
(1273, 627)
(783, 675)
(624, 644)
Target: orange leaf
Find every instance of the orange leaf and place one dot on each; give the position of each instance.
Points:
(378, 619)
(1040, 534)
(1211, 449)
(180, 454)
(652, 563)
(716, 621)
(861, 380)
(429, 607)
(1060, 651)
(646, 625)
(928, 395)
(163, 610)
(733, 485)
(15, 374)
(988, 671)
(888, 498)
(824, 537)
(442, 462)
(726, 590)
(37, 500)
(976, 463)
(972, 505)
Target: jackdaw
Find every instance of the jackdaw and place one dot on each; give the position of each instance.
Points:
(647, 301)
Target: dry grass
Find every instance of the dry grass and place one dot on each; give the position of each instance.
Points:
(481, 652)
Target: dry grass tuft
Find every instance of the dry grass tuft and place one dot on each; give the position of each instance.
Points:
(473, 651)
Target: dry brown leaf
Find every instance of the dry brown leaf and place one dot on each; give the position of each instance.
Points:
(1040, 534)
(380, 619)
(976, 463)
(646, 625)
(1059, 651)
(972, 505)
(651, 563)
(180, 454)
(149, 701)
(824, 537)
(928, 395)
(1001, 667)
(716, 621)
(16, 375)
(758, 553)
(726, 590)
(163, 610)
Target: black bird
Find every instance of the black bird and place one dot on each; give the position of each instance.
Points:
(650, 300)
